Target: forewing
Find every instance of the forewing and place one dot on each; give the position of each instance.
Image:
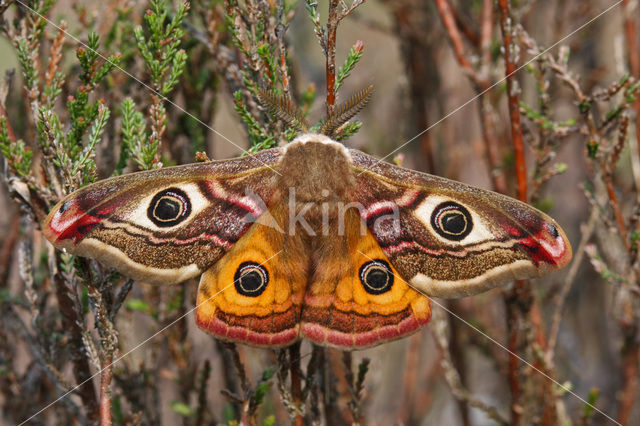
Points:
(449, 239)
(167, 225)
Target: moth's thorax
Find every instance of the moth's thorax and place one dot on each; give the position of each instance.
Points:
(316, 169)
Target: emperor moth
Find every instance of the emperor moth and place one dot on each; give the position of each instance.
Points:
(349, 261)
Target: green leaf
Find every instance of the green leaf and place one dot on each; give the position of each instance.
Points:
(589, 409)
(134, 304)
(355, 54)
(181, 408)
(270, 420)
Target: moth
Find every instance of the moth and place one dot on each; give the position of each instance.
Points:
(310, 240)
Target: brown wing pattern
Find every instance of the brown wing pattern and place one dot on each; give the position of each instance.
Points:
(167, 225)
(342, 308)
(449, 239)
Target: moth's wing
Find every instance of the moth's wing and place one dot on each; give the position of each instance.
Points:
(346, 305)
(254, 293)
(449, 239)
(168, 225)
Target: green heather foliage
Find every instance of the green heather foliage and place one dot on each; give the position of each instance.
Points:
(111, 94)
(104, 88)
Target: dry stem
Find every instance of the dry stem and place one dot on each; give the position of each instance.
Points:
(333, 19)
(440, 332)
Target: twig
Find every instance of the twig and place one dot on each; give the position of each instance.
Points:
(108, 342)
(296, 382)
(480, 81)
(202, 394)
(312, 382)
(440, 332)
(230, 380)
(410, 379)
(332, 27)
(15, 323)
(512, 95)
(333, 19)
(486, 36)
(246, 414)
(336, 389)
(587, 231)
(6, 251)
(615, 207)
(455, 37)
(630, 16)
(120, 298)
(630, 361)
(106, 373)
(282, 51)
(73, 323)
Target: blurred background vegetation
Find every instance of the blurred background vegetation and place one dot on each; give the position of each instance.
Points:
(70, 116)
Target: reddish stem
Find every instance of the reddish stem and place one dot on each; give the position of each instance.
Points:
(479, 80)
(71, 320)
(634, 60)
(513, 101)
(332, 27)
(513, 319)
(630, 358)
(521, 295)
(631, 350)
(449, 22)
(615, 206)
(105, 392)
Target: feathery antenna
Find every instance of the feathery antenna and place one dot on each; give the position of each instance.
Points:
(346, 110)
(283, 108)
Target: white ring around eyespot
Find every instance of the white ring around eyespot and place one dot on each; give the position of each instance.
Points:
(139, 216)
(480, 232)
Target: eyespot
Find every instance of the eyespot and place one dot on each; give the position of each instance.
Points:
(251, 279)
(169, 207)
(376, 276)
(451, 221)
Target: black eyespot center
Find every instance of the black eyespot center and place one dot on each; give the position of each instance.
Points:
(251, 279)
(169, 207)
(376, 276)
(454, 222)
(451, 221)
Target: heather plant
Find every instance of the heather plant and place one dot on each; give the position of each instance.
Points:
(106, 88)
